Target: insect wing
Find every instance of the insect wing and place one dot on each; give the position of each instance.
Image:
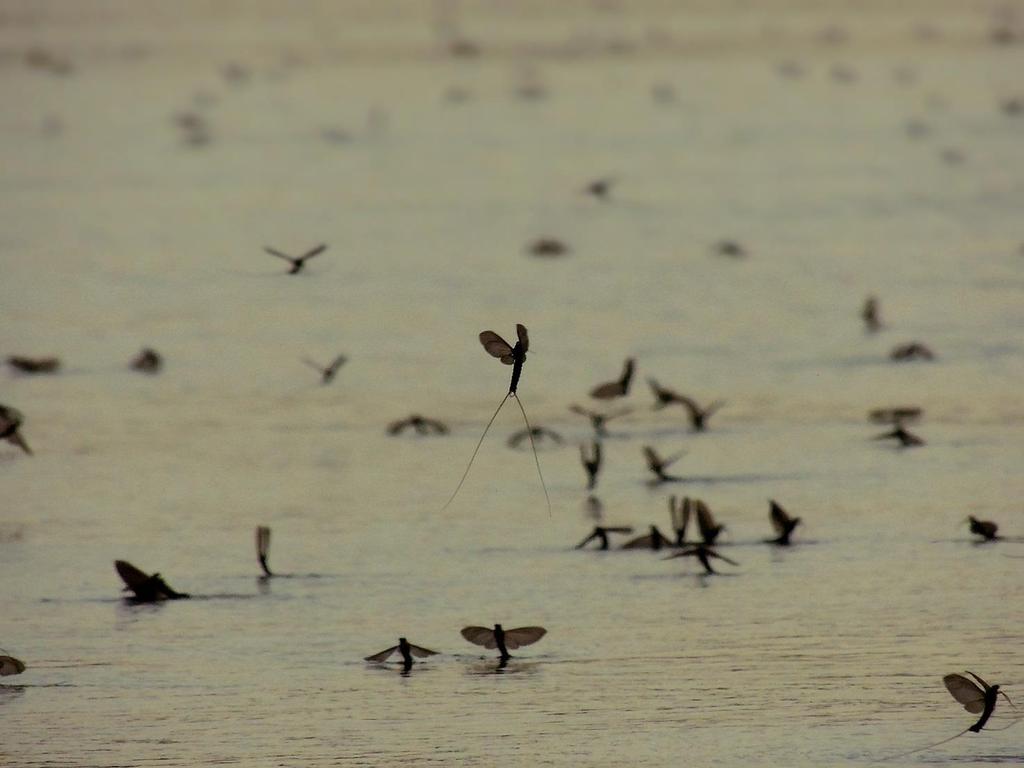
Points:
(524, 339)
(496, 346)
(420, 652)
(383, 655)
(262, 541)
(653, 462)
(779, 518)
(11, 666)
(132, 577)
(315, 252)
(608, 391)
(520, 636)
(705, 521)
(966, 692)
(481, 636)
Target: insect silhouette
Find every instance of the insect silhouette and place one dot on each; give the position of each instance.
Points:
(698, 416)
(11, 666)
(146, 588)
(680, 515)
(600, 188)
(976, 700)
(297, 262)
(421, 424)
(591, 463)
(601, 532)
(263, 549)
(536, 434)
(147, 361)
(503, 639)
(730, 248)
(655, 540)
(895, 415)
(407, 649)
(709, 529)
(34, 364)
(10, 424)
(984, 528)
(515, 356)
(906, 438)
(599, 420)
(869, 314)
(657, 465)
(327, 374)
(914, 350)
(617, 388)
(782, 523)
(703, 553)
(548, 247)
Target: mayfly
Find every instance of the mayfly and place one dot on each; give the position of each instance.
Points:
(297, 262)
(10, 422)
(10, 665)
(263, 550)
(146, 588)
(503, 639)
(515, 356)
(974, 699)
(327, 373)
(406, 649)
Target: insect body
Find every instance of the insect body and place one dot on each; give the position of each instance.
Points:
(503, 639)
(515, 356)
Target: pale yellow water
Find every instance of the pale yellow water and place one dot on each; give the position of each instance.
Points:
(339, 123)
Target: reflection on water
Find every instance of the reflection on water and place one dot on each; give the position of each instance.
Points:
(773, 167)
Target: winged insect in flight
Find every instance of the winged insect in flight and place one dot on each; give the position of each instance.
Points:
(515, 356)
(617, 388)
(976, 700)
(327, 374)
(597, 419)
(297, 262)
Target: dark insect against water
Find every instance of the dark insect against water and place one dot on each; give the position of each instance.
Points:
(976, 700)
(591, 463)
(406, 649)
(914, 350)
(703, 553)
(984, 528)
(709, 529)
(658, 465)
(145, 588)
(536, 434)
(869, 314)
(263, 549)
(503, 639)
(698, 416)
(680, 515)
(34, 364)
(515, 356)
(11, 666)
(10, 424)
(421, 424)
(147, 361)
(619, 387)
(598, 420)
(906, 438)
(327, 374)
(782, 523)
(600, 533)
(655, 540)
(297, 262)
